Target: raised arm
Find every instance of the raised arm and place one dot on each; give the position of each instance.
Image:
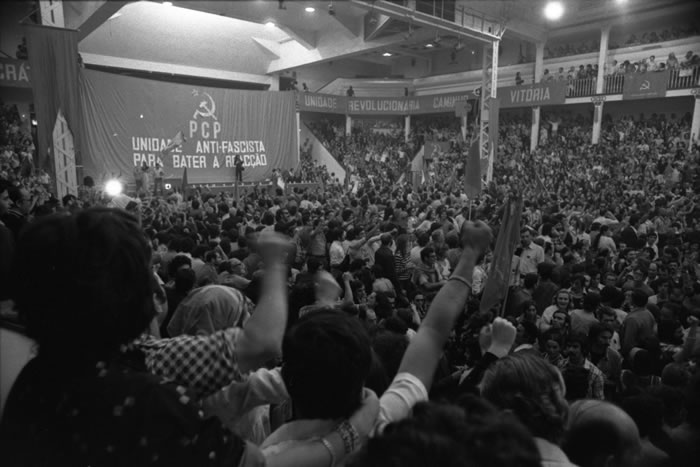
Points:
(261, 338)
(424, 351)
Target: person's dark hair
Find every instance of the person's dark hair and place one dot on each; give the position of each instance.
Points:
(580, 339)
(423, 239)
(532, 389)
(545, 270)
(94, 293)
(390, 348)
(646, 411)
(184, 280)
(426, 252)
(176, 263)
(591, 301)
(530, 280)
(530, 332)
(591, 438)
(199, 251)
(639, 298)
(327, 358)
(450, 436)
(396, 325)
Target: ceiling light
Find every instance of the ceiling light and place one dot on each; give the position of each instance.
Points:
(386, 54)
(270, 24)
(168, 3)
(553, 11)
(429, 45)
(309, 9)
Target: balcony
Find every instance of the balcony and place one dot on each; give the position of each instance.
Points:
(683, 78)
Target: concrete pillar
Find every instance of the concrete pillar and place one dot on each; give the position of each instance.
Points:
(407, 128)
(597, 121)
(695, 125)
(535, 130)
(602, 58)
(348, 125)
(539, 71)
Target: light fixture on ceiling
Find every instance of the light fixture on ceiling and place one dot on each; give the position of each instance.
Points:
(270, 24)
(331, 9)
(309, 9)
(387, 54)
(553, 10)
(429, 45)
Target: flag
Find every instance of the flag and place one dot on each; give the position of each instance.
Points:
(472, 171)
(496, 288)
(175, 142)
(280, 183)
(184, 181)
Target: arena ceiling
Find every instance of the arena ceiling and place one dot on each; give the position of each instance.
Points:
(231, 36)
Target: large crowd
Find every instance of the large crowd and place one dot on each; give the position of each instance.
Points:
(342, 324)
(646, 37)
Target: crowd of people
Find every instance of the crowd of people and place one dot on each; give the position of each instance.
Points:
(647, 37)
(343, 324)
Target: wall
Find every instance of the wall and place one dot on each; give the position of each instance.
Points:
(319, 75)
(320, 154)
(667, 106)
(11, 33)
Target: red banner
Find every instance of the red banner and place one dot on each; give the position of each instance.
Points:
(130, 121)
(645, 85)
(532, 95)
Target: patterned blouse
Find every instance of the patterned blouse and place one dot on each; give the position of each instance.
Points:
(115, 414)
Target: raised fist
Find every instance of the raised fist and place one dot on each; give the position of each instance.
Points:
(476, 235)
(273, 247)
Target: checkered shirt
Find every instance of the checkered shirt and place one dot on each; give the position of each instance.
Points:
(204, 364)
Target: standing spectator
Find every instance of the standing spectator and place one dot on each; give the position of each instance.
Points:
(532, 254)
(639, 324)
(577, 353)
(518, 79)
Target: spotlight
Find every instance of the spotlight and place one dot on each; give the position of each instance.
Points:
(386, 54)
(429, 45)
(309, 9)
(553, 11)
(114, 187)
(270, 24)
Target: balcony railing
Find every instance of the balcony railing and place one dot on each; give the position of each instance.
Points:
(613, 84)
(581, 87)
(684, 78)
(677, 79)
